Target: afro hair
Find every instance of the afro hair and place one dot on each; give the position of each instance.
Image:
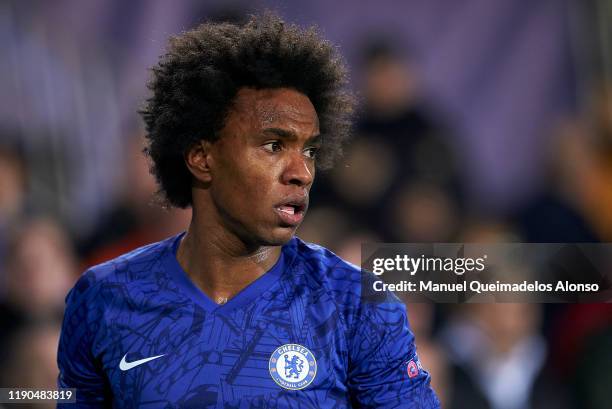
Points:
(196, 81)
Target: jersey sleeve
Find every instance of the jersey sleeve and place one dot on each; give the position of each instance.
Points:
(77, 366)
(384, 369)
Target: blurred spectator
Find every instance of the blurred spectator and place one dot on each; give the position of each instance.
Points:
(399, 176)
(136, 219)
(593, 391)
(499, 359)
(13, 190)
(423, 213)
(588, 159)
(13, 182)
(554, 214)
(31, 361)
(575, 204)
(325, 225)
(582, 355)
(41, 270)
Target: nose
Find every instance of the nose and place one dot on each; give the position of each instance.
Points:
(299, 171)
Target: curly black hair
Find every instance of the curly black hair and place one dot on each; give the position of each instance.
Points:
(195, 82)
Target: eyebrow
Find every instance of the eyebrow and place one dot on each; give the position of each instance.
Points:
(284, 133)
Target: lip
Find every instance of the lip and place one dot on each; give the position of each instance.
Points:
(299, 205)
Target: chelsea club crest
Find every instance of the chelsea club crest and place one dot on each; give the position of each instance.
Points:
(293, 366)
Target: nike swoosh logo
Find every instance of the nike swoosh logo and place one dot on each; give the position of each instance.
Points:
(124, 365)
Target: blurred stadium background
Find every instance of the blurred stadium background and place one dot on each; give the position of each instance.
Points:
(479, 120)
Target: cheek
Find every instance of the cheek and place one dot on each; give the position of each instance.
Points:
(249, 186)
(261, 180)
(245, 178)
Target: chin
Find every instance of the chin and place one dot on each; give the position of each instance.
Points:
(280, 236)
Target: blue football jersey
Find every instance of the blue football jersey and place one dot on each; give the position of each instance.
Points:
(138, 332)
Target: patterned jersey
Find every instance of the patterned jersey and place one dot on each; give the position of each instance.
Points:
(138, 332)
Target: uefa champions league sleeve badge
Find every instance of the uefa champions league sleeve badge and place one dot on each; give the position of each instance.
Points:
(293, 366)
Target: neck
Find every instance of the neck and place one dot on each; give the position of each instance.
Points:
(219, 263)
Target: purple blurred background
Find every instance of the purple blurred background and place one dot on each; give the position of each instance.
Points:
(479, 121)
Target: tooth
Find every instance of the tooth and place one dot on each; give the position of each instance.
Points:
(287, 209)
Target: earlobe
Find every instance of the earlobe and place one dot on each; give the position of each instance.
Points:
(198, 160)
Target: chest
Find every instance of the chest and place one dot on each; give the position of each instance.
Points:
(268, 355)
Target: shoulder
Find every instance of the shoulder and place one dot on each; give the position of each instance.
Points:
(349, 287)
(340, 276)
(133, 266)
(367, 313)
(322, 265)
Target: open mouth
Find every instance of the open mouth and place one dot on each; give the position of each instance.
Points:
(291, 208)
(291, 213)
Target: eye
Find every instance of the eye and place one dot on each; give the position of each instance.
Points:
(274, 146)
(311, 152)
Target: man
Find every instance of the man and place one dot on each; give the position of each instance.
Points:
(237, 312)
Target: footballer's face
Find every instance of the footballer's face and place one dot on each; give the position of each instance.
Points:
(263, 164)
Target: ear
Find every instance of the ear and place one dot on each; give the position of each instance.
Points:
(199, 160)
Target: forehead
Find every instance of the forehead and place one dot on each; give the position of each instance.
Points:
(264, 107)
